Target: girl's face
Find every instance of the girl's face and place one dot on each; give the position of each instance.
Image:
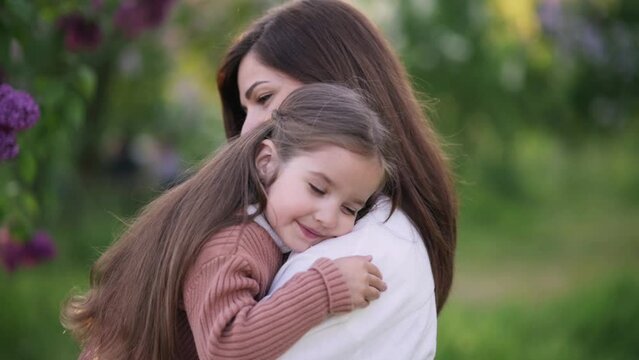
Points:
(316, 195)
(261, 90)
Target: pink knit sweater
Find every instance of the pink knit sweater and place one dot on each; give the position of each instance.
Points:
(224, 315)
(223, 298)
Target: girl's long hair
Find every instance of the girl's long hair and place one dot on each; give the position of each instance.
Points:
(131, 310)
(331, 41)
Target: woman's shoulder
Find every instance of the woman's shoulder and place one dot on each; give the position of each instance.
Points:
(379, 233)
(383, 217)
(393, 242)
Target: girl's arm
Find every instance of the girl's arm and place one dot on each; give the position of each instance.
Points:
(228, 322)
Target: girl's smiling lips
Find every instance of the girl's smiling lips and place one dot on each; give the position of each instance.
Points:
(310, 233)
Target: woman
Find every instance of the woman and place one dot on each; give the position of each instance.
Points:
(330, 41)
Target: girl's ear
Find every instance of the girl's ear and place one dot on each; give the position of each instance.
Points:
(267, 161)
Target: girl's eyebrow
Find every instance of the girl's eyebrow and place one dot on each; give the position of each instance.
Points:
(359, 203)
(249, 91)
(323, 176)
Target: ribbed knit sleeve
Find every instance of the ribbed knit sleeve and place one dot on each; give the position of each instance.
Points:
(227, 320)
(87, 354)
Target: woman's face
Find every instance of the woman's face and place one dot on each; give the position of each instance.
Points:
(261, 90)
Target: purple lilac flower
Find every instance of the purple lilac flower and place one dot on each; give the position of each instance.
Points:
(8, 145)
(592, 43)
(10, 251)
(130, 19)
(5, 90)
(18, 110)
(135, 16)
(80, 33)
(551, 15)
(575, 35)
(157, 10)
(40, 248)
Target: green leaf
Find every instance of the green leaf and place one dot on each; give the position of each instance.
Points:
(85, 82)
(50, 91)
(30, 204)
(74, 111)
(5, 43)
(20, 9)
(28, 167)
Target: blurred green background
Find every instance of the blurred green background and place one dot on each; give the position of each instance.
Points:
(536, 101)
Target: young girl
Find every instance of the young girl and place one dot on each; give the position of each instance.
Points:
(187, 279)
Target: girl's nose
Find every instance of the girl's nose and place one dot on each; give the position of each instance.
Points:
(327, 217)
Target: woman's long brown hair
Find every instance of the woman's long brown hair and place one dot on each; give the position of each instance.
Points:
(132, 308)
(330, 41)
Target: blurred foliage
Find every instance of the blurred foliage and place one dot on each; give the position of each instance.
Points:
(535, 100)
(499, 68)
(102, 83)
(567, 67)
(32, 58)
(601, 322)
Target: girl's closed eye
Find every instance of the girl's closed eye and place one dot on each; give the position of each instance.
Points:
(316, 189)
(349, 210)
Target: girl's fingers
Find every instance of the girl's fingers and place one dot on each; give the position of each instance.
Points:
(376, 283)
(369, 295)
(373, 270)
(373, 294)
(363, 304)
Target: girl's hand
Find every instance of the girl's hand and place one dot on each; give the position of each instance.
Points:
(364, 280)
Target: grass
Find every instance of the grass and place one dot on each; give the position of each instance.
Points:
(597, 322)
(30, 304)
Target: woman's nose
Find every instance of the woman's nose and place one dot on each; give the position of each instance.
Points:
(252, 120)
